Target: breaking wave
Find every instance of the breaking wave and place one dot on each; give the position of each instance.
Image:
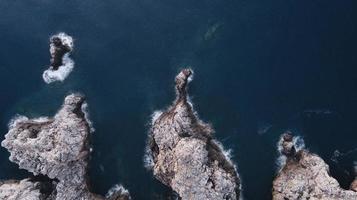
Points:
(117, 190)
(50, 75)
(84, 109)
(148, 159)
(155, 116)
(17, 119)
(66, 39)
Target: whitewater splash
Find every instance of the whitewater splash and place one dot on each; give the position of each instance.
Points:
(85, 110)
(16, 120)
(117, 190)
(61, 45)
(299, 145)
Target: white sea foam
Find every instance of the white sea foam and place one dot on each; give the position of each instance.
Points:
(66, 39)
(228, 156)
(227, 153)
(299, 145)
(20, 118)
(17, 119)
(118, 188)
(40, 119)
(50, 75)
(85, 110)
(155, 116)
(190, 78)
(148, 159)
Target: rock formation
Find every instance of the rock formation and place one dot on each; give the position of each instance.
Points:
(58, 48)
(305, 176)
(57, 148)
(183, 154)
(61, 45)
(24, 189)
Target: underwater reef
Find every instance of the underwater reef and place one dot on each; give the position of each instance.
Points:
(305, 175)
(56, 150)
(183, 154)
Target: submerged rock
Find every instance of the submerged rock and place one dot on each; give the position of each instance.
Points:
(305, 176)
(56, 147)
(183, 154)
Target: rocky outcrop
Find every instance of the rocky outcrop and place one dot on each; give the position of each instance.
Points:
(59, 45)
(24, 189)
(57, 148)
(183, 154)
(305, 175)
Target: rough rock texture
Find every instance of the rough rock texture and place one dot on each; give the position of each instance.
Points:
(58, 48)
(306, 176)
(20, 190)
(183, 154)
(56, 147)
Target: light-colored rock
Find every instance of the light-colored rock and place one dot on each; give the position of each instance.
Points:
(183, 155)
(306, 176)
(16, 190)
(56, 147)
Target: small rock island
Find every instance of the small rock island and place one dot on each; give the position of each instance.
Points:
(183, 154)
(58, 48)
(56, 150)
(306, 176)
(61, 65)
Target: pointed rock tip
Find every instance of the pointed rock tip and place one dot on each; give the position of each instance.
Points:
(74, 100)
(181, 81)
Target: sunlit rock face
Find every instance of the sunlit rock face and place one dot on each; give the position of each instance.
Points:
(305, 176)
(56, 147)
(183, 155)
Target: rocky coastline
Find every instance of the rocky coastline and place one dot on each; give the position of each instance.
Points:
(57, 149)
(181, 152)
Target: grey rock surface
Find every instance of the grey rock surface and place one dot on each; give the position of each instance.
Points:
(56, 147)
(183, 155)
(14, 190)
(305, 175)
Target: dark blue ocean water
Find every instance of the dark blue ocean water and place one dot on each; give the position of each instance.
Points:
(261, 67)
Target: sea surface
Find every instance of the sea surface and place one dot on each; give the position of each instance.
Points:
(261, 68)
